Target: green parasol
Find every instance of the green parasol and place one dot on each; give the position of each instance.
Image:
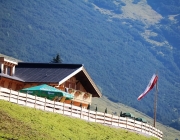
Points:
(47, 91)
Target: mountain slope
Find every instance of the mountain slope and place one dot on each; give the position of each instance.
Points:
(122, 43)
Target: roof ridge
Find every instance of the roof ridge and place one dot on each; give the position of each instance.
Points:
(47, 65)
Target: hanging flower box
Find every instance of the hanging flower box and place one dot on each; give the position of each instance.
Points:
(70, 90)
(86, 95)
(77, 93)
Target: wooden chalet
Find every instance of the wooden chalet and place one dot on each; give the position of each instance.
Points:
(71, 78)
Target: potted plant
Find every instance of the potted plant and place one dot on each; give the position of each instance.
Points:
(87, 95)
(70, 90)
(77, 93)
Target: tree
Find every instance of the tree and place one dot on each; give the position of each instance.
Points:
(105, 110)
(57, 59)
(121, 114)
(88, 107)
(96, 109)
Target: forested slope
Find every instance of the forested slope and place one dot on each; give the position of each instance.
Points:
(121, 43)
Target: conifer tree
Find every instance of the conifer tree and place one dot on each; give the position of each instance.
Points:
(57, 59)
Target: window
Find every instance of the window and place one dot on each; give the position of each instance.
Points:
(9, 70)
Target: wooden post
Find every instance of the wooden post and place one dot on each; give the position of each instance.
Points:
(18, 97)
(45, 104)
(111, 119)
(95, 116)
(54, 106)
(104, 117)
(81, 112)
(144, 127)
(71, 107)
(63, 108)
(126, 122)
(118, 121)
(88, 115)
(26, 100)
(10, 95)
(35, 102)
(134, 123)
(148, 128)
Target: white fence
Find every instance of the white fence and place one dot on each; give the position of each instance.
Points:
(71, 110)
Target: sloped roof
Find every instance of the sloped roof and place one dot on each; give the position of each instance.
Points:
(11, 77)
(55, 73)
(44, 72)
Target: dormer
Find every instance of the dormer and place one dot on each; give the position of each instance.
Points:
(7, 66)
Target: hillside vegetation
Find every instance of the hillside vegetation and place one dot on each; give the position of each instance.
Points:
(120, 42)
(18, 122)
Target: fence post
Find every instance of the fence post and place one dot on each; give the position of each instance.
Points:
(95, 116)
(45, 104)
(54, 106)
(71, 107)
(35, 102)
(88, 115)
(156, 133)
(148, 128)
(111, 119)
(26, 100)
(10, 95)
(145, 128)
(126, 122)
(153, 132)
(118, 121)
(81, 112)
(63, 108)
(18, 97)
(104, 117)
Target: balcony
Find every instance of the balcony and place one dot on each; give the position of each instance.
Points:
(79, 96)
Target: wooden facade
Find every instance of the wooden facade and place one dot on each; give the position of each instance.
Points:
(8, 81)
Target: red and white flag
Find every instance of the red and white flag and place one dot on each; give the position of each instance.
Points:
(150, 86)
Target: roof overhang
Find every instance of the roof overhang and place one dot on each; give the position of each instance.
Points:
(3, 60)
(85, 79)
(11, 77)
(71, 75)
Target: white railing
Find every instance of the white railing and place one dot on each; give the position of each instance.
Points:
(71, 110)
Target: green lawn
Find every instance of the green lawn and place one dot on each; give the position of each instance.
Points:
(169, 133)
(23, 123)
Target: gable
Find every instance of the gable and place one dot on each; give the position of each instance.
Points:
(88, 83)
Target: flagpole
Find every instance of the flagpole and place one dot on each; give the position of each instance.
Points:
(155, 103)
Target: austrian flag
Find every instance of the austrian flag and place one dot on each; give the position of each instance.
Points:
(150, 86)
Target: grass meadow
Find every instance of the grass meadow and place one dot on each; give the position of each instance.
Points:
(22, 123)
